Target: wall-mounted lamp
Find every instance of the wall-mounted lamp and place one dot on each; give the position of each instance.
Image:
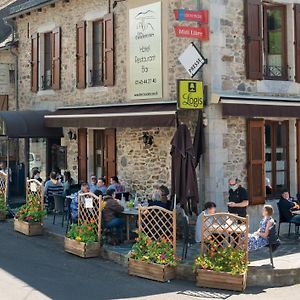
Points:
(115, 3)
(72, 135)
(147, 139)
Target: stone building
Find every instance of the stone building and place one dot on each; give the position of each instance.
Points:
(75, 60)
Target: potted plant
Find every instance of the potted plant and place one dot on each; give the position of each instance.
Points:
(82, 240)
(152, 259)
(223, 268)
(3, 208)
(28, 219)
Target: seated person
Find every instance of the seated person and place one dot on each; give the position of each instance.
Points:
(74, 204)
(36, 174)
(111, 211)
(101, 185)
(209, 209)
(68, 181)
(286, 206)
(93, 185)
(116, 185)
(259, 239)
(161, 198)
(53, 187)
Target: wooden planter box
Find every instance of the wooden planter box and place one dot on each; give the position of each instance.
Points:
(2, 216)
(151, 271)
(82, 249)
(221, 280)
(30, 229)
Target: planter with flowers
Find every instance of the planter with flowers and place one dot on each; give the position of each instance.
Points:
(82, 240)
(3, 208)
(223, 268)
(28, 219)
(152, 259)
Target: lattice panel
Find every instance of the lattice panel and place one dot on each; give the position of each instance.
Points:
(157, 223)
(90, 210)
(223, 229)
(3, 185)
(35, 191)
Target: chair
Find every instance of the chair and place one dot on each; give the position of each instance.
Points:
(59, 208)
(274, 242)
(68, 212)
(186, 237)
(282, 219)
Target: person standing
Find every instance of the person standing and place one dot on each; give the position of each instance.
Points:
(238, 199)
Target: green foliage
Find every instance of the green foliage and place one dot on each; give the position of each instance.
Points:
(147, 250)
(86, 233)
(3, 205)
(226, 259)
(31, 212)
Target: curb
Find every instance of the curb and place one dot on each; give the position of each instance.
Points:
(257, 276)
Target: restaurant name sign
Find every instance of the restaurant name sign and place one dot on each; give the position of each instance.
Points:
(4, 79)
(145, 52)
(190, 94)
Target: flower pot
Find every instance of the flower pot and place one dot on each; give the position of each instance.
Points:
(221, 280)
(85, 250)
(2, 216)
(151, 271)
(30, 229)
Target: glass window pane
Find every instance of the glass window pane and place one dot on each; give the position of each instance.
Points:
(37, 156)
(48, 61)
(97, 48)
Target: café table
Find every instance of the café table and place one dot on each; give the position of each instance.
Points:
(129, 213)
(296, 212)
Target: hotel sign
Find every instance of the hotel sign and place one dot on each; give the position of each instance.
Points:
(4, 79)
(190, 94)
(145, 52)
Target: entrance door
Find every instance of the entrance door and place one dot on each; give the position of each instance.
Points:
(110, 153)
(82, 155)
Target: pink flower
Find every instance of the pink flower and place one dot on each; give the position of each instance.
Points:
(162, 256)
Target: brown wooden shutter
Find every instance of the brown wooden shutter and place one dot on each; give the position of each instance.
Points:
(81, 55)
(298, 156)
(297, 42)
(256, 161)
(3, 102)
(82, 155)
(108, 72)
(253, 39)
(110, 152)
(56, 60)
(34, 62)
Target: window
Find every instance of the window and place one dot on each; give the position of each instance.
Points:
(97, 72)
(47, 74)
(276, 158)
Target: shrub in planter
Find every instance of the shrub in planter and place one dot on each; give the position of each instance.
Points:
(152, 259)
(223, 268)
(82, 240)
(3, 208)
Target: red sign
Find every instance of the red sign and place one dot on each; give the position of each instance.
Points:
(201, 33)
(189, 15)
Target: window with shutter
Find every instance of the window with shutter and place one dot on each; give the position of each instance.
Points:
(56, 60)
(48, 60)
(253, 46)
(34, 62)
(108, 50)
(297, 42)
(81, 54)
(256, 162)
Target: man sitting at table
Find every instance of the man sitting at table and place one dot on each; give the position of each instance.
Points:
(287, 206)
(110, 214)
(101, 185)
(116, 185)
(160, 198)
(74, 204)
(93, 185)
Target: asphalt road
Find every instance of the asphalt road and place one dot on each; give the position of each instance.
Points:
(37, 268)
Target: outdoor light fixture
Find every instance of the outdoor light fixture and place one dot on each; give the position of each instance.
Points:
(72, 135)
(147, 139)
(116, 3)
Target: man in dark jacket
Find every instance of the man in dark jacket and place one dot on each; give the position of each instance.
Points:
(111, 211)
(286, 206)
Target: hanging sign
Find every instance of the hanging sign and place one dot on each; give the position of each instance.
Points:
(88, 203)
(190, 94)
(189, 15)
(201, 33)
(192, 60)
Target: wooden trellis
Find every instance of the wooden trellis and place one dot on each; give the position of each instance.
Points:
(35, 192)
(157, 223)
(222, 230)
(3, 185)
(90, 210)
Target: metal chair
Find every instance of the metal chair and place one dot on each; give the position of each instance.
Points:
(274, 243)
(186, 237)
(59, 208)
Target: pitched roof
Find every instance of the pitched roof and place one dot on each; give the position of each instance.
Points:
(5, 30)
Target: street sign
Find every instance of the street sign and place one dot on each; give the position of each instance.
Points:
(189, 15)
(201, 33)
(192, 60)
(190, 94)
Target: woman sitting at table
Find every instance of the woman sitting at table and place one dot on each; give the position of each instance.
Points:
(259, 239)
(116, 185)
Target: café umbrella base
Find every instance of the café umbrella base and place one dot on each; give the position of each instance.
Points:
(2, 216)
(221, 280)
(29, 229)
(85, 250)
(151, 271)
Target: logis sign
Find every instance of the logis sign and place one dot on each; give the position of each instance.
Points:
(190, 94)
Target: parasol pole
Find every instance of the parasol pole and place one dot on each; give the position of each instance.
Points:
(174, 202)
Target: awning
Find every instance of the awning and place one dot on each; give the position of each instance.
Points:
(148, 114)
(27, 124)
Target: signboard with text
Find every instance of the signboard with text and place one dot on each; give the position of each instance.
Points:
(145, 52)
(201, 33)
(4, 79)
(189, 15)
(190, 94)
